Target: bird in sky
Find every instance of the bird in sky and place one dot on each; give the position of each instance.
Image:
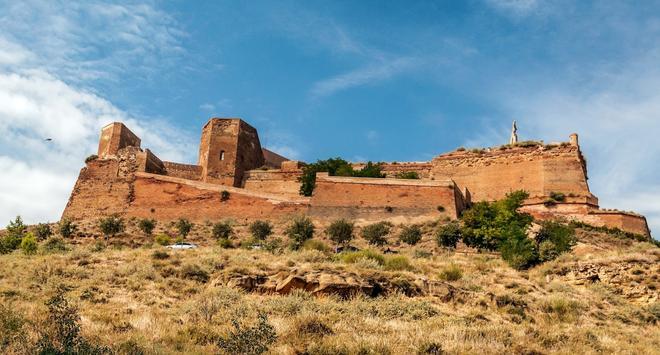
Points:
(48, 139)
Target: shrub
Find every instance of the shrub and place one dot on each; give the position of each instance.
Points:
(12, 239)
(160, 255)
(249, 340)
(16, 227)
(111, 226)
(225, 243)
(411, 235)
(448, 235)
(163, 239)
(222, 230)
(91, 158)
(42, 231)
(67, 228)
(12, 330)
(451, 273)
(430, 348)
(224, 195)
(554, 239)
(313, 244)
(261, 229)
(563, 308)
(557, 196)
(351, 257)
(62, 333)
(519, 251)
(194, 272)
(407, 175)
(398, 263)
(54, 244)
(441, 209)
(147, 226)
(340, 231)
(300, 230)
(183, 226)
(375, 233)
(29, 244)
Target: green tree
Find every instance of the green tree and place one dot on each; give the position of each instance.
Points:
(260, 230)
(29, 244)
(111, 226)
(299, 231)
(448, 235)
(553, 239)
(147, 226)
(340, 231)
(67, 228)
(335, 167)
(413, 175)
(16, 227)
(42, 231)
(375, 233)
(411, 235)
(222, 230)
(183, 226)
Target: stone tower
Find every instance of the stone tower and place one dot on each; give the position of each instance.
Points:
(116, 136)
(227, 149)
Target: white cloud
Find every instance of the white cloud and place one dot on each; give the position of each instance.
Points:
(370, 74)
(514, 7)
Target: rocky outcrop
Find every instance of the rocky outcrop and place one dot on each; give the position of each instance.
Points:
(344, 285)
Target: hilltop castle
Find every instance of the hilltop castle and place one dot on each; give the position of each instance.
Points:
(236, 178)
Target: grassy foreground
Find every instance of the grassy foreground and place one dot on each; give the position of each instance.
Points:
(149, 300)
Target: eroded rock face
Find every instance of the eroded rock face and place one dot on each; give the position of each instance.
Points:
(339, 284)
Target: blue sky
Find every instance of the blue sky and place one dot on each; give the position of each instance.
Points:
(365, 80)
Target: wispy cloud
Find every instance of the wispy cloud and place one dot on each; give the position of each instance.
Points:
(514, 7)
(372, 73)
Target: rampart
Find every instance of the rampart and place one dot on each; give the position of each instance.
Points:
(128, 180)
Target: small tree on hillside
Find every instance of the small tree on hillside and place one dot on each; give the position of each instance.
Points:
(300, 230)
(111, 226)
(375, 233)
(147, 226)
(222, 230)
(184, 226)
(448, 235)
(42, 231)
(67, 228)
(261, 229)
(340, 231)
(29, 244)
(411, 235)
(16, 227)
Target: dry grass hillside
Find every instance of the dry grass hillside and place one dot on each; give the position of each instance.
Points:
(134, 296)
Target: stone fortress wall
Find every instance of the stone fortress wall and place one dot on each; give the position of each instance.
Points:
(128, 180)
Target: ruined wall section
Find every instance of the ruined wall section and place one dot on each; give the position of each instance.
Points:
(104, 186)
(272, 159)
(539, 170)
(114, 137)
(228, 148)
(373, 198)
(184, 171)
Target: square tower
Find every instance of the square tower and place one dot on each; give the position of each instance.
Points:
(228, 148)
(114, 137)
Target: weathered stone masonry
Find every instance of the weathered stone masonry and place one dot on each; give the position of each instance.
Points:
(130, 181)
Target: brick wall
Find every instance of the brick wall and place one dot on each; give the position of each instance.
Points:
(114, 137)
(184, 171)
(273, 181)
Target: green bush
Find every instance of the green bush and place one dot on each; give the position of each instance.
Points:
(224, 195)
(334, 167)
(13, 334)
(557, 196)
(29, 244)
(340, 231)
(314, 244)
(160, 255)
(411, 235)
(222, 230)
(375, 233)
(194, 272)
(487, 224)
(13, 236)
(351, 257)
(451, 273)
(184, 226)
(553, 239)
(91, 158)
(249, 340)
(16, 227)
(448, 235)
(163, 239)
(519, 251)
(147, 226)
(260, 230)
(54, 244)
(42, 231)
(67, 228)
(111, 226)
(225, 243)
(398, 263)
(413, 175)
(299, 231)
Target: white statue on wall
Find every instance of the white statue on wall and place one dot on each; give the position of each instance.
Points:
(514, 134)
